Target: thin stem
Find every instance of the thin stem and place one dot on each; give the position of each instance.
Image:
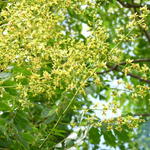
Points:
(66, 109)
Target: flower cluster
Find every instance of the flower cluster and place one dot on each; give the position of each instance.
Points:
(43, 59)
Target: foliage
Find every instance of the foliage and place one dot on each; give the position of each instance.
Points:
(52, 73)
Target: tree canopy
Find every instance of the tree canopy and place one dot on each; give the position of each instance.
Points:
(74, 74)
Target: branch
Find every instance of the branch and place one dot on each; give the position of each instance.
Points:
(138, 77)
(146, 34)
(123, 63)
(128, 5)
(116, 68)
(143, 115)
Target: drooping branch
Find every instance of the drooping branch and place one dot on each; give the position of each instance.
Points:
(116, 68)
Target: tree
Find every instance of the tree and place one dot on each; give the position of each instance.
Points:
(53, 70)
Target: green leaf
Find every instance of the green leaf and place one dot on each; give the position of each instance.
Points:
(122, 136)
(21, 121)
(109, 137)
(21, 69)
(94, 136)
(69, 143)
(4, 106)
(10, 87)
(51, 42)
(72, 13)
(28, 137)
